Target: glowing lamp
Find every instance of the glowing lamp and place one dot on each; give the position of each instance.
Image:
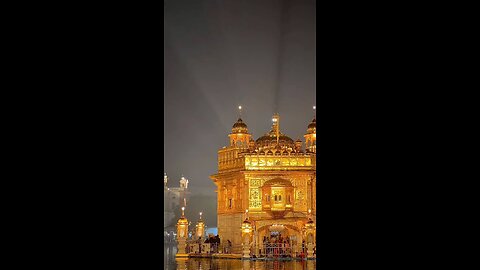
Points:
(200, 227)
(246, 227)
(182, 225)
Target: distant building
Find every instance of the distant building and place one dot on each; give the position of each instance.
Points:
(173, 198)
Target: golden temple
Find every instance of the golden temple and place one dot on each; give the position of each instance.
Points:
(269, 183)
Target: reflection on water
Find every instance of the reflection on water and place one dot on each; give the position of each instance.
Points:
(172, 263)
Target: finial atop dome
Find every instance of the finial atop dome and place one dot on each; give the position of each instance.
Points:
(276, 125)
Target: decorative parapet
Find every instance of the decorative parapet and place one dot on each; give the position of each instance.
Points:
(281, 163)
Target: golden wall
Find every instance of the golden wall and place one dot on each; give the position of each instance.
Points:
(240, 186)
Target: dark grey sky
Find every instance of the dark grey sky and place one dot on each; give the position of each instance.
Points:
(220, 54)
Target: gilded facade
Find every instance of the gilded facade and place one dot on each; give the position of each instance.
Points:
(273, 177)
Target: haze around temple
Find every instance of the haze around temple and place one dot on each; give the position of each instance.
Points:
(222, 54)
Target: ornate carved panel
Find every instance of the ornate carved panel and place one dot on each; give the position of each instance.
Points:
(255, 198)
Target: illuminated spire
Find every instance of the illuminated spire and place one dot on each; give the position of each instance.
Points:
(240, 111)
(276, 125)
(314, 111)
(183, 211)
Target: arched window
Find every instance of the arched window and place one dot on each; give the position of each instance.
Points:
(275, 197)
(280, 197)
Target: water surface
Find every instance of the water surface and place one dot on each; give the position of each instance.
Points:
(171, 263)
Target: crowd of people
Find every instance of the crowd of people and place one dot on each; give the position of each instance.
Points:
(213, 247)
(276, 246)
(279, 246)
(273, 246)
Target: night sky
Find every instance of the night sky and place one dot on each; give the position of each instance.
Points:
(226, 53)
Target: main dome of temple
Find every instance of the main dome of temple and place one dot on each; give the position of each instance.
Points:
(271, 139)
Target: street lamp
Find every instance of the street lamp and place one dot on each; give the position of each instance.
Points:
(246, 235)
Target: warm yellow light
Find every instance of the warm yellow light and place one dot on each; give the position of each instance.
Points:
(183, 208)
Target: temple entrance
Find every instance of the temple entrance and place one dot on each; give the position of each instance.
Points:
(279, 240)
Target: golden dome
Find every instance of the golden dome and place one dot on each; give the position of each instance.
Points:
(239, 127)
(312, 127)
(182, 220)
(270, 139)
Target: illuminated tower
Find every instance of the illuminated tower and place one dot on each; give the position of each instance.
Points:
(182, 235)
(239, 137)
(200, 228)
(311, 137)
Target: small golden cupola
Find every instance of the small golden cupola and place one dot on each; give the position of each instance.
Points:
(311, 136)
(239, 136)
